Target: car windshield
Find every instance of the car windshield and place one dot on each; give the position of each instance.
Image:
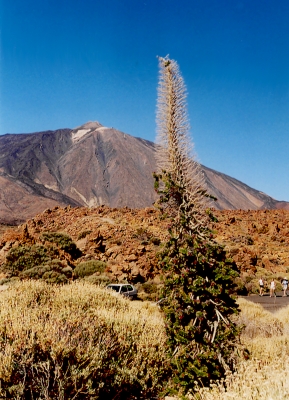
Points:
(129, 288)
(116, 288)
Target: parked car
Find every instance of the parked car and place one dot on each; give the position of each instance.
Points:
(125, 289)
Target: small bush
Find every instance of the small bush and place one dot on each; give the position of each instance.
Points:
(149, 291)
(142, 234)
(87, 268)
(101, 280)
(149, 287)
(23, 258)
(67, 271)
(83, 234)
(53, 271)
(35, 272)
(63, 241)
(241, 288)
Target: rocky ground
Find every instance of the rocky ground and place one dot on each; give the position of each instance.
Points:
(129, 239)
(258, 241)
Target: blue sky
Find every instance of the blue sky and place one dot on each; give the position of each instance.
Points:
(66, 62)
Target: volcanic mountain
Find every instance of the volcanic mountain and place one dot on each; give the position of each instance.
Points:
(93, 165)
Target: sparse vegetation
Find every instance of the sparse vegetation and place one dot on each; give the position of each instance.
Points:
(83, 234)
(54, 271)
(265, 375)
(22, 258)
(63, 241)
(52, 260)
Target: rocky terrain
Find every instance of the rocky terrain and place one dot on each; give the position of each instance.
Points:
(94, 165)
(128, 240)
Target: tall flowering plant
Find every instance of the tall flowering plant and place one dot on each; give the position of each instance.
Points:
(198, 300)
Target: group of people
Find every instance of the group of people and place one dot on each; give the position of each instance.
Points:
(284, 283)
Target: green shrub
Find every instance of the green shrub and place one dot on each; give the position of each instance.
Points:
(87, 268)
(63, 241)
(83, 234)
(53, 271)
(241, 288)
(101, 280)
(35, 272)
(22, 258)
(149, 287)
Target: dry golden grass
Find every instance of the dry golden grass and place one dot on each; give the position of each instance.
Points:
(253, 381)
(258, 322)
(78, 341)
(266, 375)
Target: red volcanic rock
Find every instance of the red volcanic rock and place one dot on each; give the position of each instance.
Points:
(128, 240)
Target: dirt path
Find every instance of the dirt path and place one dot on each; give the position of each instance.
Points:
(271, 304)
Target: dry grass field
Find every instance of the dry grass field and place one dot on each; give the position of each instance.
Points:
(79, 341)
(266, 374)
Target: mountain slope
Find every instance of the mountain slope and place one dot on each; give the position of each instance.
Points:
(233, 194)
(93, 165)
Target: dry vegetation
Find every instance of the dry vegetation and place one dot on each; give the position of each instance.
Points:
(78, 341)
(265, 375)
(128, 240)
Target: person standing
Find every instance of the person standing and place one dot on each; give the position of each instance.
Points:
(272, 288)
(261, 286)
(285, 286)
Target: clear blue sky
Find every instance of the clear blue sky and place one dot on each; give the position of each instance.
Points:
(66, 62)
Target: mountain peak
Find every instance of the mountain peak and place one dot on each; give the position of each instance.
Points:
(84, 129)
(90, 125)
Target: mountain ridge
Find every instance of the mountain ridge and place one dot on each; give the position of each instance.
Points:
(93, 165)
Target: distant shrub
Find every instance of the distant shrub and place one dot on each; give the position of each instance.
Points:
(87, 268)
(53, 271)
(22, 258)
(63, 241)
(149, 291)
(35, 272)
(142, 234)
(149, 287)
(54, 277)
(83, 234)
(241, 288)
(101, 280)
(67, 271)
